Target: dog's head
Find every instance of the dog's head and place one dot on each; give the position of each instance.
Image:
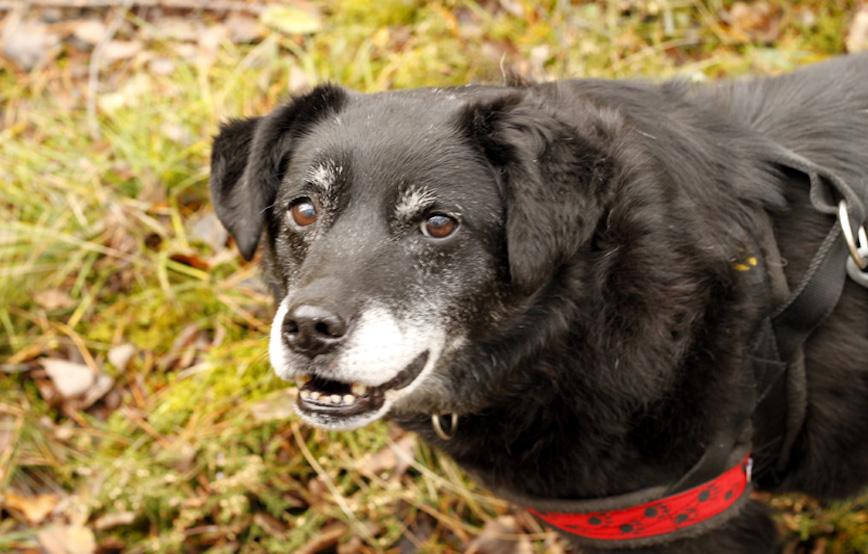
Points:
(398, 227)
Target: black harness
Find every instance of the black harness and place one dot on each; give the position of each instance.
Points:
(770, 413)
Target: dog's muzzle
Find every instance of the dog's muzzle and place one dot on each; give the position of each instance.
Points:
(313, 330)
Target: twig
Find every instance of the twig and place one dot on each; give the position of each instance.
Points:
(93, 68)
(207, 5)
(329, 483)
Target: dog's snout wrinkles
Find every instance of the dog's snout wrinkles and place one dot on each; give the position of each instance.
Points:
(313, 330)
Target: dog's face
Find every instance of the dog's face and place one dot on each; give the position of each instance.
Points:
(398, 228)
(385, 235)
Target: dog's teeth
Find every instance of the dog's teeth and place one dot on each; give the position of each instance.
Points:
(302, 380)
(305, 394)
(314, 395)
(349, 399)
(336, 399)
(359, 390)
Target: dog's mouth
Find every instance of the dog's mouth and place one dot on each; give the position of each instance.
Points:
(334, 399)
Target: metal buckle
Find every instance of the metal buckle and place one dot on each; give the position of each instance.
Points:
(856, 252)
(453, 425)
(857, 263)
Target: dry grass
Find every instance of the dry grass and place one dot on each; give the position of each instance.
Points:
(106, 246)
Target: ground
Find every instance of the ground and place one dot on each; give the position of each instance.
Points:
(137, 409)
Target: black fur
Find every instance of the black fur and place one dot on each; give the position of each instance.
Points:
(606, 325)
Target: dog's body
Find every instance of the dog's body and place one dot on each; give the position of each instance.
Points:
(554, 263)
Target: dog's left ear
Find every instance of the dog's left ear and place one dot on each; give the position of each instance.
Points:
(550, 177)
(250, 156)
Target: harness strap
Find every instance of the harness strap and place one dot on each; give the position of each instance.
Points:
(780, 379)
(776, 401)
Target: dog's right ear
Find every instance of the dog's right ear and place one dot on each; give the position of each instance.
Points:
(237, 207)
(250, 156)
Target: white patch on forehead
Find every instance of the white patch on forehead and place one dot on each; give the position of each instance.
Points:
(413, 201)
(324, 176)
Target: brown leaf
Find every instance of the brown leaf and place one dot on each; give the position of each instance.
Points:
(394, 458)
(501, 536)
(328, 536)
(117, 519)
(121, 50)
(191, 260)
(271, 525)
(53, 299)
(67, 539)
(757, 21)
(34, 508)
(89, 31)
(176, 28)
(244, 28)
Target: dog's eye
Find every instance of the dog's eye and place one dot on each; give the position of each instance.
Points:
(439, 226)
(303, 212)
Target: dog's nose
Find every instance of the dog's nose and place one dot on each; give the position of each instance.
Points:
(313, 330)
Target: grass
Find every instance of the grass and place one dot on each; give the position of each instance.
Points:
(193, 448)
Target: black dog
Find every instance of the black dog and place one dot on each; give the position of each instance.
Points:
(579, 290)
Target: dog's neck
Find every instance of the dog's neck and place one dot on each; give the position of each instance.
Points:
(554, 429)
(557, 448)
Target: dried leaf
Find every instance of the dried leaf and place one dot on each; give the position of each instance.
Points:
(110, 521)
(67, 539)
(28, 44)
(299, 80)
(121, 50)
(191, 260)
(69, 378)
(53, 299)
(328, 536)
(34, 508)
(10, 369)
(210, 38)
(244, 28)
(501, 536)
(756, 21)
(178, 28)
(291, 20)
(161, 66)
(120, 355)
(89, 31)
(394, 458)
(857, 36)
(100, 388)
(271, 525)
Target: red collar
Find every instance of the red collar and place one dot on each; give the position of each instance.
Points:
(658, 517)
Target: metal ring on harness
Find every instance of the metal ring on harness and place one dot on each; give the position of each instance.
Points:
(844, 218)
(438, 428)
